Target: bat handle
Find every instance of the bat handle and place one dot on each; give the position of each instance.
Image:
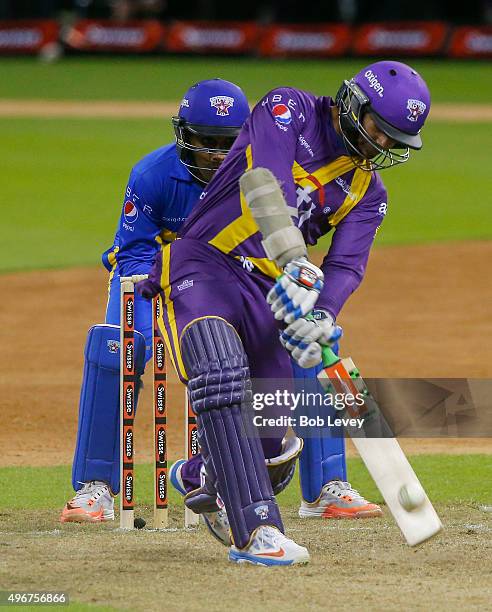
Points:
(328, 356)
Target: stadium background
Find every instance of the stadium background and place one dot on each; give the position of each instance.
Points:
(71, 129)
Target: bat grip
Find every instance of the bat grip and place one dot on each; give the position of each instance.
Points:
(328, 356)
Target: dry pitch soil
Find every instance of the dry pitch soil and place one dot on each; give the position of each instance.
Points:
(422, 311)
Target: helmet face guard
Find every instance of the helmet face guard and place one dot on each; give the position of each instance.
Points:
(183, 132)
(353, 104)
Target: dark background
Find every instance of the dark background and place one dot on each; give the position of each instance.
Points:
(281, 11)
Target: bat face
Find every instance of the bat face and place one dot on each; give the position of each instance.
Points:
(381, 453)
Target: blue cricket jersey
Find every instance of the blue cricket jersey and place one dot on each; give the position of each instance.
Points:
(158, 198)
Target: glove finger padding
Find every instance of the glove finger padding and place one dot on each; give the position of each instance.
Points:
(307, 357)
(296, 291)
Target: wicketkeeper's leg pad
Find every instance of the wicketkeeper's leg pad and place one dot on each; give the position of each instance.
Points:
(220, 392)
(97, 454)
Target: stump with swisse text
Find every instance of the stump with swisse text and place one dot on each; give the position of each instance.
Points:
(128, 392)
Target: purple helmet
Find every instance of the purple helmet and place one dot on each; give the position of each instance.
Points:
(209, 109)
(398, 101)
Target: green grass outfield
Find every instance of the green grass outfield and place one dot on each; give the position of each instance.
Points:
(448, 479)
(63, 182)
(167, 78)
(63, 179)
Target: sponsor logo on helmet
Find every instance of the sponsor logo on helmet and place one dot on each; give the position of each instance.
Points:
(262, 512)
(416, 108)
(374, 83)
(281, 113)
(113, 346)
(130, 211)
(222, 104)
(185, 103)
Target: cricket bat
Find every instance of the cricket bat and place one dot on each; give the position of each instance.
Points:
(383, 457)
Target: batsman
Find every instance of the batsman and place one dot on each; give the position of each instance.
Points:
(226, 302)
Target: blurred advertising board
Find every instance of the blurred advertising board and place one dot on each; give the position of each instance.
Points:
(212, 37)
(398, 39)
(24, 37)
(305, 40)
(471, 42)
(102, 35)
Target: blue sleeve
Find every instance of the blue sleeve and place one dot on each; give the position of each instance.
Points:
(139, 225)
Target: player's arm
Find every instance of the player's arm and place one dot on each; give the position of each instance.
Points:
(343, 268)
(345, 264)
(138, 227)
(274, 126)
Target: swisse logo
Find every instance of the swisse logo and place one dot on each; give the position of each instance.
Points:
(408, 39)
(129, 356)
(194, 441)
(160, 398)
(129, 444)
(20, 38)
(129, 400)
(159, 354)
(157, 309)
(480, 43)
(305, 41)
(121, 37)
(129, 488)
(161, 444)
(162, 486)
(213, 38)
(374, 83)
(129, 311)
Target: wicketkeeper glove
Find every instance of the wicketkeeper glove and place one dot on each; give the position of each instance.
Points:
(304, 337)
(296, 291)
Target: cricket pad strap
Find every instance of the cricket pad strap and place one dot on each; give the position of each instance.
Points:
(281, 469)
(220, 392)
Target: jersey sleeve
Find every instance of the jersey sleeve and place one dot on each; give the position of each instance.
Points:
(138, 226)
(275, 125)
(345, 263)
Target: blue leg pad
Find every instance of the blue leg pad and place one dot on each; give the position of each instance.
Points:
(220, 392)
(97, 455)
(323, 456)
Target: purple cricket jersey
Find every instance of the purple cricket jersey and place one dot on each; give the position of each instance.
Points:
(291, 132)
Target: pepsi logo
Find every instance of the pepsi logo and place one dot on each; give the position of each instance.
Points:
(130, 211)
(281, 114)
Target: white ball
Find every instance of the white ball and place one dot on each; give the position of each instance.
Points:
(411, 496)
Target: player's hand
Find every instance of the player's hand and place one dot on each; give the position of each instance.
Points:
(296, 291)
(304, 337)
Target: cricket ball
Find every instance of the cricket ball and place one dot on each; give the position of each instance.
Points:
(411, 497)
(139, 523)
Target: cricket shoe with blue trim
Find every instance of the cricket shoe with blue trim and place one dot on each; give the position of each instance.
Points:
(270, 547)
(175, 476)
(216, 522)
(93, 503)
(339, 500)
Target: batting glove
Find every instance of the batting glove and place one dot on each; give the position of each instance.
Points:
(296, 291)
(304, 337)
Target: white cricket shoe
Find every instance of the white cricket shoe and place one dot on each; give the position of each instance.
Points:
(93, 503)
(270, 547)
(339, 500)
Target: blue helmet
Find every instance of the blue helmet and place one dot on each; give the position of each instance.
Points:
(209, 109)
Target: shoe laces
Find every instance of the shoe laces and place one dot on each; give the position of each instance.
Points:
(90, 491)
(342, 488)
(268, 537)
